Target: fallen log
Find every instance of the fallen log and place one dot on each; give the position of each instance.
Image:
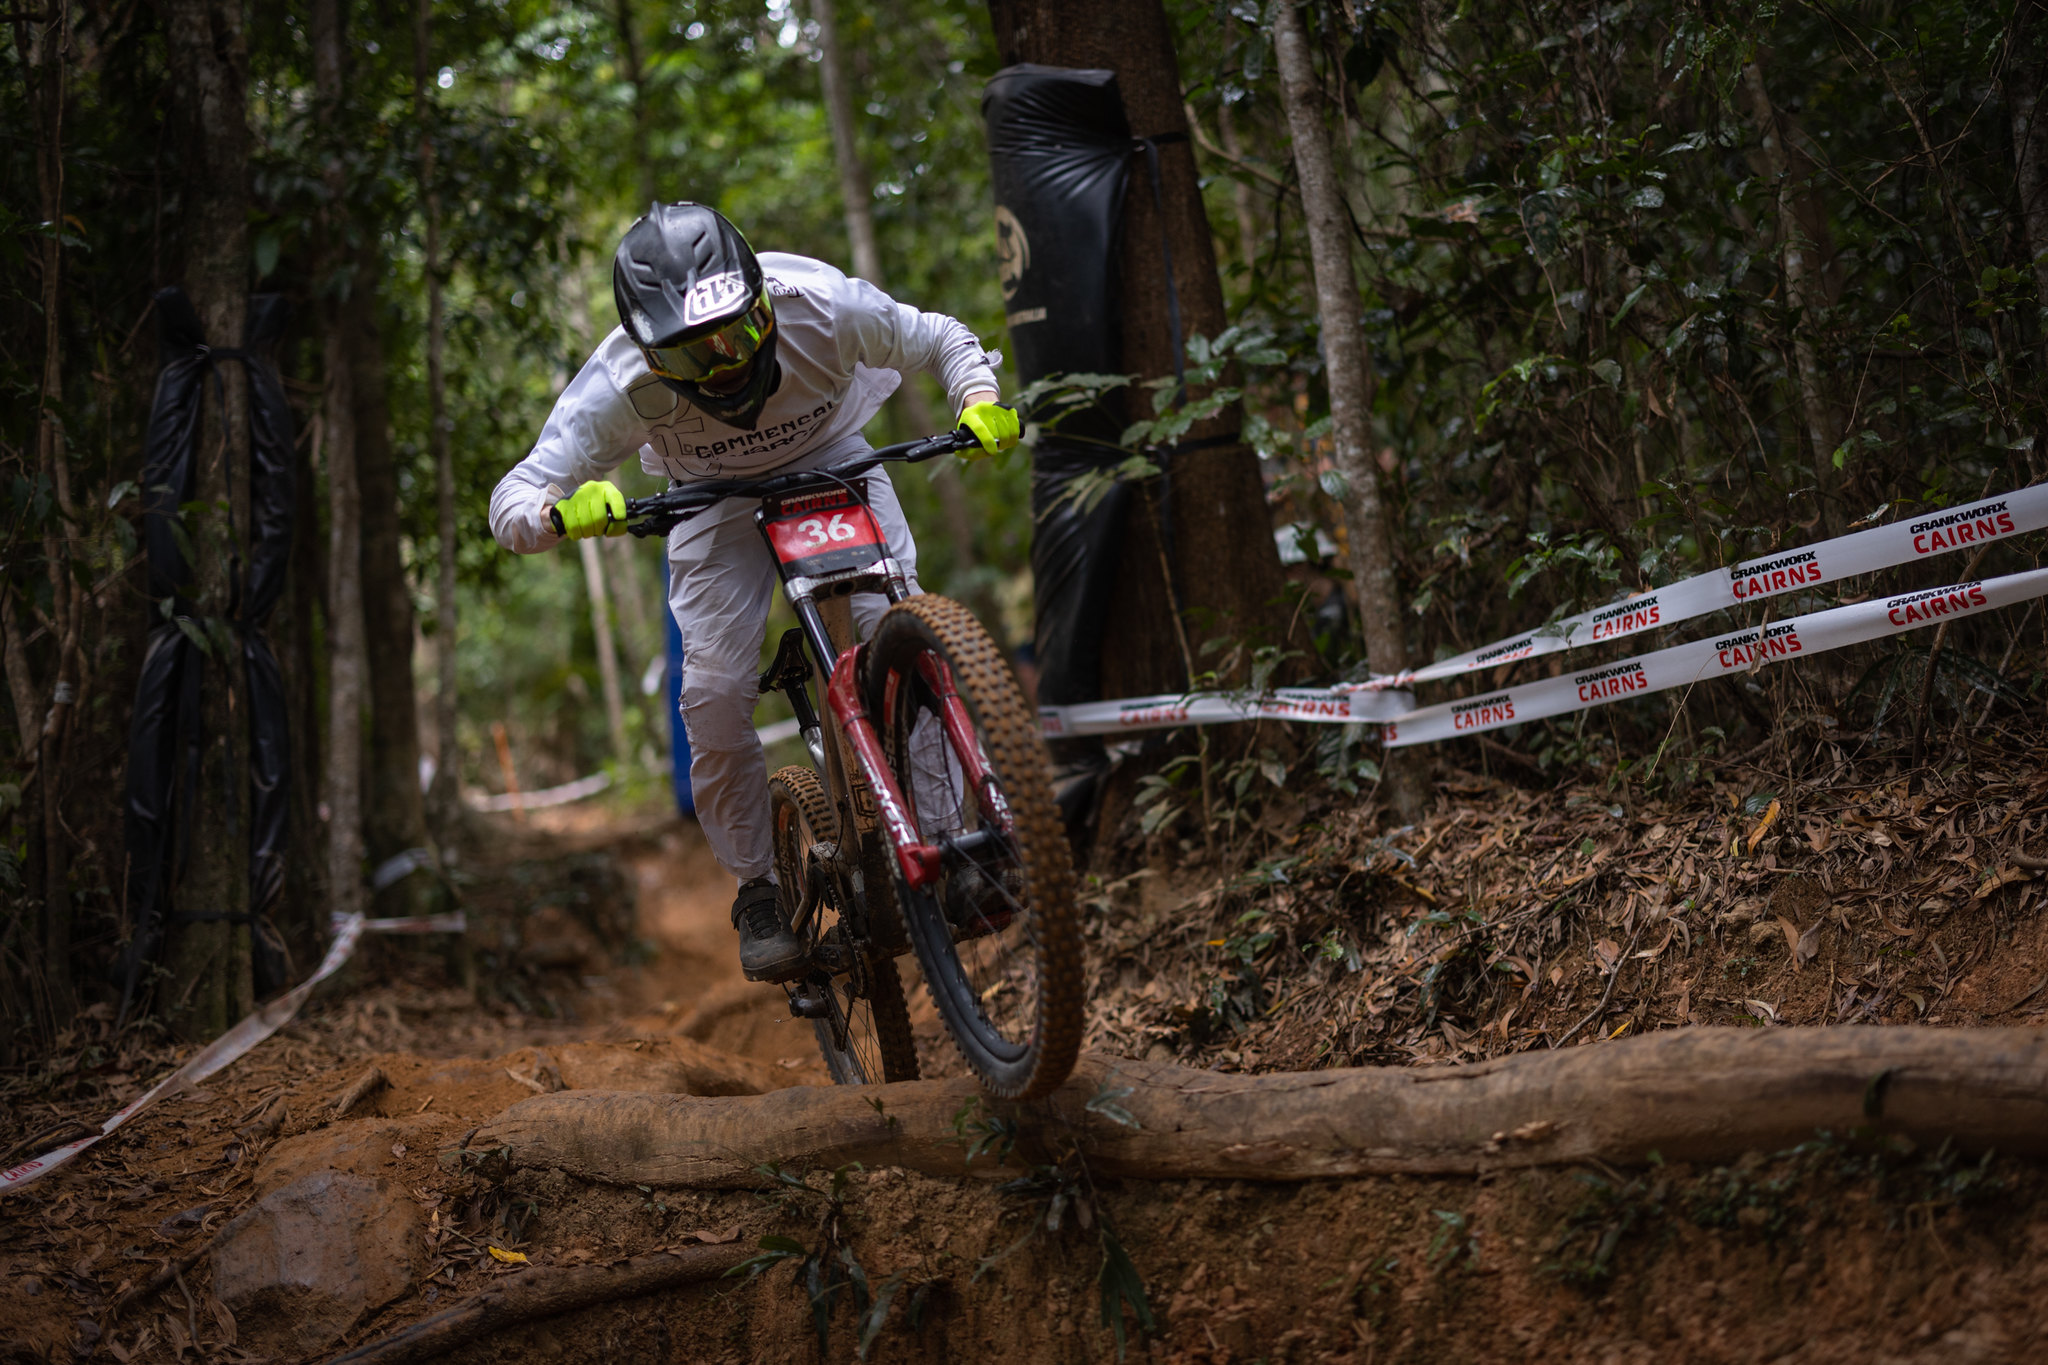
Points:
(543, 1293)
(1704, 1094)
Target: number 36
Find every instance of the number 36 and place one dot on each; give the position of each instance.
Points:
(822, 531)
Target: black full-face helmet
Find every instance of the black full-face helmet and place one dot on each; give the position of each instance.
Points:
(694, 300)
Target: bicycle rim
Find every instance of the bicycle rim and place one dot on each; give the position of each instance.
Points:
(865, 1038)
(997, 933)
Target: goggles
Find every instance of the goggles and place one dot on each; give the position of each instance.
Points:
(730, 347)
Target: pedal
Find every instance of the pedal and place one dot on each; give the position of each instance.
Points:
(807, 1001)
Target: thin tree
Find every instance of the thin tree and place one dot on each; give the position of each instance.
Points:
(345, 646)
(41, 715)
(607, 651)
(444, 804)
(208, 57)
(1350, 380)
(2026, 81)
(857, 201)
(1803, 295)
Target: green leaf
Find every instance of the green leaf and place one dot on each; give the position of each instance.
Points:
(191, 631)
(268, 247)
(1105, 1103)
(1121, 1286)
(878, 1312)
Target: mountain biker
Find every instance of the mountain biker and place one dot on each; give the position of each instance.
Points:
(727, 364)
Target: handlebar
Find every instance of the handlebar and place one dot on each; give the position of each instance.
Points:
(662, 512)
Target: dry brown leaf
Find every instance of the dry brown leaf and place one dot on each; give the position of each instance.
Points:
(1763, 826)
(2006, 876)
(1818, 835)
(731, 1234)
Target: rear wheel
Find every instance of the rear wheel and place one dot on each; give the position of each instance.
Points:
(865, 1032)
(997, 930)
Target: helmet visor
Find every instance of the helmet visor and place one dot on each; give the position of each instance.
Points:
(731, 347)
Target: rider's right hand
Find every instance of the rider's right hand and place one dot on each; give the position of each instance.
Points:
(596, 508)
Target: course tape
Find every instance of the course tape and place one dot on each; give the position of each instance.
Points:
(1739, 651)
(237, 1041)
(1880, 547)
(1328, 705)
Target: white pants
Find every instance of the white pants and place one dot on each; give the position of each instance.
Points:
(722, 580)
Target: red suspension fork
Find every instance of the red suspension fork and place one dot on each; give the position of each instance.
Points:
(966, 745)
(919, 861)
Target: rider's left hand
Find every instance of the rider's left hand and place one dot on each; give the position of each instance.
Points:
(995, 426)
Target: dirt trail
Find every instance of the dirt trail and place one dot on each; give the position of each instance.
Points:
(249, 1220)
(693, 987)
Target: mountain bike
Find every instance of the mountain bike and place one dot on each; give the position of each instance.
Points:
(925, 819)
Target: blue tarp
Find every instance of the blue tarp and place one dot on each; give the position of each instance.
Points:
(679, 739)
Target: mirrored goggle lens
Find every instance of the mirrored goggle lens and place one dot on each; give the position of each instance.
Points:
(730, 346)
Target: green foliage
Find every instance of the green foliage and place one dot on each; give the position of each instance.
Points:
(829, 1272)
(984, 1133)
(1572, 249)
(1051, 1193)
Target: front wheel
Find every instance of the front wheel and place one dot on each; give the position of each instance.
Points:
(865, 1031)
(997, 931)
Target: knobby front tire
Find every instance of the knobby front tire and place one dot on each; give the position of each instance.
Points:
(867, 1040)
(998, 934)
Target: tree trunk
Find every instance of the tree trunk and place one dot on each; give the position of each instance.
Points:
(41, 40)
(208, 59)
(639, 635)
(1802, 292)
(345, 648)
(857, 200)
(297, 631)
(1248, 231)
(444, 802)
(1225, 569)
(607, 653)
(394, 810)
(643, 110)
(1697, 1094)
(374, 585)
(2024, 85)
(1404, 775)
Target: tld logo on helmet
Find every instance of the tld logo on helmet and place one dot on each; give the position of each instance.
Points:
(712, 297)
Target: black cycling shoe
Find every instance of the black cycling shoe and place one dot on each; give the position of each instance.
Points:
(769, 951)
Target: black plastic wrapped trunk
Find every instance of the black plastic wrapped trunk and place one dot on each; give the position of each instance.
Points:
(163, 739)
(1061, 148)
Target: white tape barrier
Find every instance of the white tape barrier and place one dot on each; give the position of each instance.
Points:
(545, 796)
(237, 1041)
(1881, 547)
(1739, 651)
(1328, 705)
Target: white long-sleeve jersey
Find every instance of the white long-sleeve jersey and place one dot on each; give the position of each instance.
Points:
(842, 344)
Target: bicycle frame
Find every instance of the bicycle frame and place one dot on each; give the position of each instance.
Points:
(818, 576)
(827, 548)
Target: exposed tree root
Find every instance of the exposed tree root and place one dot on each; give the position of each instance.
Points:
(544, 1293)
(1690, 1095)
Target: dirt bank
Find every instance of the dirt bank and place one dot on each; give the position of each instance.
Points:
(180, 1237)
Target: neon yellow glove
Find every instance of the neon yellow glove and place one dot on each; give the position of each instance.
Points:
(995, 426)
(596, 508)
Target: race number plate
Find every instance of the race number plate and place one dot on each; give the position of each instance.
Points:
(823, 534)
